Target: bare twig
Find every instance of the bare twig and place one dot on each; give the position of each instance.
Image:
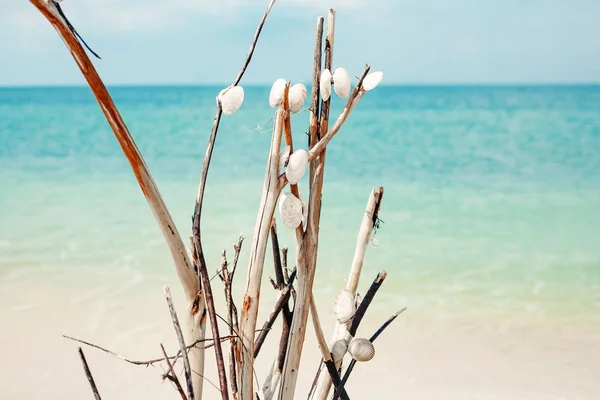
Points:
(279, 272)
(88, 374)
(371, 339)
(147, 362)
(171, 374)
(201, 265)
(210, 305)
(353, 100)
(186, 361)
(279, 305)
(353, 324)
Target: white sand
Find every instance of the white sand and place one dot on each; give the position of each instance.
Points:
(420, 356)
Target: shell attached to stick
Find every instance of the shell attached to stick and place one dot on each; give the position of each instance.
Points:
(361, 349)
(372, 80)
(290, 209)
(325, 84)
(297, 96)
(296, 166)
(231, 98)
(338, 349)
(276, 94)
(341, 82)
(284, 156)
(344, 306)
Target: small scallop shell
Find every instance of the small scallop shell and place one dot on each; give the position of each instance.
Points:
(341, 82)
(290, 208)
(231, 98)
(297, 96)
(361, 349)
(344, 306)
(276, 95)
(372, 80)
(284, 156)
(338, 349)
(325, 84)
(296, 166)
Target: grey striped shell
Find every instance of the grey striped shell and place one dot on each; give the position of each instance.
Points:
(361, 349)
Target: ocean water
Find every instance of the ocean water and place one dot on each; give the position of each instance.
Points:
(492, 194)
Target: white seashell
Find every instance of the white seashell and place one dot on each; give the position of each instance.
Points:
(372, 80)
(341, 82)
(276, 95)
(297, 97)
(344, 306)
(361, 349)
(231, 98)
(284, 156)
(296, 166)
(290, 209)
(338, 349)
(325, 84)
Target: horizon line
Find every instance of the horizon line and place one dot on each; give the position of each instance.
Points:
(262, 85)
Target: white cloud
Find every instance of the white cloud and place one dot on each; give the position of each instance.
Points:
(112, 17)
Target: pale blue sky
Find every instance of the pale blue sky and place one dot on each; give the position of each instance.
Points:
(205, 41)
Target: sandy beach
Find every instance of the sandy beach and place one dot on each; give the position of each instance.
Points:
(423, 355)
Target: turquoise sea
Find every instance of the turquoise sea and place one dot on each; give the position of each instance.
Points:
(492, 194)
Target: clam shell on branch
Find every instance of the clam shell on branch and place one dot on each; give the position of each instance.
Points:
(297, 96)
(276, 94)
(361, 349)
(304, 212)
(231, 98)
(325, 84)
(341, 82)
(338, 349)
(290, 209)
(372, 80)
(296, 166)
(344, 306)
(284, 156)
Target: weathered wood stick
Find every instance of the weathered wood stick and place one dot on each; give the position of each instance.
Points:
(353, 100)
(371, 339)
(249, 313)
(327, 357)
(146, 362)
(171, 375)
(279, 272)
(184, 354)
(226, 278)
(146, 182)
(284, 296)
(353, 324)
(364, 235)
(88, 374)
(212, 315)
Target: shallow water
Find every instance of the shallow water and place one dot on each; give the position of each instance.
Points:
(490, 216)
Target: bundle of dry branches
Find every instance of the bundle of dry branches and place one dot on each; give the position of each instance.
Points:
(284, 166)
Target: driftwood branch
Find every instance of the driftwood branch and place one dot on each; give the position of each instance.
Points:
(279, 305)
(364, 235)
(308, 242)
(144, 178)
(371, 339)
(353, 324)
(184, 354)
(88, 374)
(271, 192)
(171, 374)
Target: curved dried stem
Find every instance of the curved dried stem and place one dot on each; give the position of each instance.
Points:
(249, 312)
